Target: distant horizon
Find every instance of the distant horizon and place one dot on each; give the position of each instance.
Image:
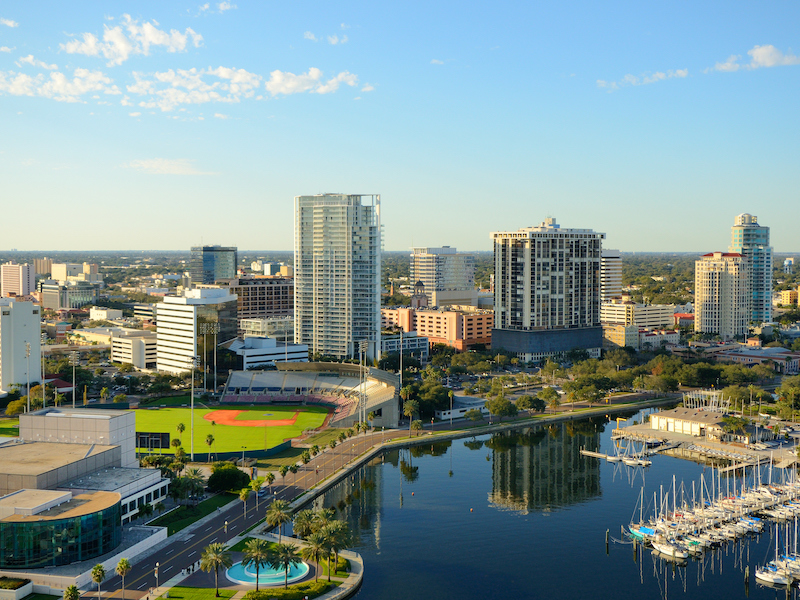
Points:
(241, 251)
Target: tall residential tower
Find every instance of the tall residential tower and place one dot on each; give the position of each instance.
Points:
(337, 274)
(722, 294)
(448, 277)
(751, 240)
(547, 291)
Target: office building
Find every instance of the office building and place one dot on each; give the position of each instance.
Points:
(42, 266)
(185, 326)
(626, 312)
(20, 327)
(547, 291)
(210, 264)
(74, 294)
(101, 313)
(254, 352)
(610, 275)
(722, 294)
(448, 277)
(337, 267)
(17, 280)
(136, 347)
(412, 344)
(262, 297)
(280, 328)
(66, 273)
(751, 240)
(462, 327)
(787, 297)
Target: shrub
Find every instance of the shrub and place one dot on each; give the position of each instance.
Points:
(11, 583)
(312, 589)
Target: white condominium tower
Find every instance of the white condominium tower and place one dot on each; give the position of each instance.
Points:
(751, 240)
(20, 344)
(610, 275)
(448, 277)
(722, 294)
(19, 280)
(337, 274)
(547, 291)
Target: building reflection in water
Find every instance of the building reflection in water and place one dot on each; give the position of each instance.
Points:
(542, 469)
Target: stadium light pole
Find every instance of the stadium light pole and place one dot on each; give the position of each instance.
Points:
(191, 431)
(73, 359)
(41, 361)
(28, 371)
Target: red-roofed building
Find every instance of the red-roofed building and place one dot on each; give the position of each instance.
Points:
(684, 319)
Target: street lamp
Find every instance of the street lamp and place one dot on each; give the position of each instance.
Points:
(226, 527)
(156, 573)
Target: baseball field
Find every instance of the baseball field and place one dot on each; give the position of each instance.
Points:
(232, 428)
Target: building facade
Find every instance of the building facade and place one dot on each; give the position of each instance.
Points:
(610, 275)
(136, 347)
(547, 291)
(17, 280)
(20, 343)
(412, 344)
(448, 277)
(722, 294)
(262, 297)
(337, 268)
(751, 240)
(462, 327)
(56, 296)
(210, 264)
(181, 322)
(654, 316)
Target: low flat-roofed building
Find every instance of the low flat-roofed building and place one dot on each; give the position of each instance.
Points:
(253, 351)
(782, 360)
(134, 346)
(690, 421)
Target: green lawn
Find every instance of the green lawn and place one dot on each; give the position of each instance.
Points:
(230, 438)
(186, 515)
(189, 593)
(9, 427)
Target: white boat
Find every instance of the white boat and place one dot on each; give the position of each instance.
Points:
(669, 549)
(771, 574)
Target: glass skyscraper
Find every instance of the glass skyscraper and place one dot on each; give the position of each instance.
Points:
(210, 264)
(751, 240)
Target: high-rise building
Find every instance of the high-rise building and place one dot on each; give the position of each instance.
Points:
(19, 280)
(547, 291)
(610, 275)
(189, 326)
(337, 273)
(448, 277)
(42, 265)
(751, 240)
(210, 264)
(788, 265)
(262, 297)
(20, 325)
(722, 294)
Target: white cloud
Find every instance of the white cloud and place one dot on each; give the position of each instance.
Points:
(435, 61)
(29, 60)
(135, 114)
(132, 38)
(165, 166)
(6, 49)
(8, 23)
(221, 116)
(285, 83)
(58, 86)
(368, 87)
(310, 36)
(633, 80)
(343, 26)
(168, 89)
(204, 7)
(760, 57)
(335, 39)
(223, 6)
(770, 56)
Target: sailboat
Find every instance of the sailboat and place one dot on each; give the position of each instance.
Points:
(772, 574)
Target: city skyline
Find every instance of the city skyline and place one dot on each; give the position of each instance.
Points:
(154, 126)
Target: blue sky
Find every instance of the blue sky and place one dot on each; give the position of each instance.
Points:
(158, 125)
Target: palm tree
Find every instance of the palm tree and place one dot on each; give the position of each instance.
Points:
(279, 513)
(270, 479)
(175, 443)
(181, 428)
(244, 494)
(316, 548)
(58, 399)
(283, 557)
(209, 441)
(255, 485)
(122, 569)
(146, 511)
(370, 419)
(294, 468)
(98, 575)
(257, 552)
(303, 524)
(409, 408)
(416, 425)
(214, 556)
(339, 537)
(104, 394)
(322, 518)
(194, 482)
(314, 450)
(283, 471)
(72, 593)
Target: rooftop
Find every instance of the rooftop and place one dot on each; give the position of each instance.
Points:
(82, 504)
(109, 480)
(36, 458)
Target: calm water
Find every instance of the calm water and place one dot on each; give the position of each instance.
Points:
(525, 516)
